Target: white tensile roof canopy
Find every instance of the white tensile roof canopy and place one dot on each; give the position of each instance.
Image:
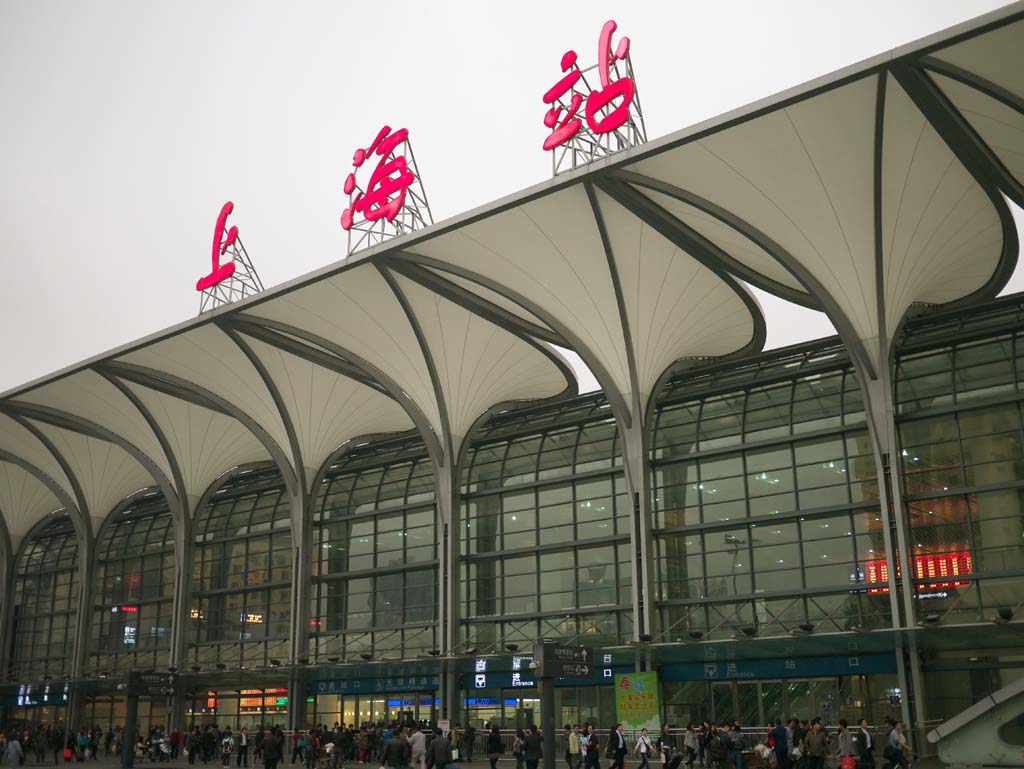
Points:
(864, 194)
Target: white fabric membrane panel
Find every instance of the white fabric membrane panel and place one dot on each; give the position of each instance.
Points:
(803, 176)
(492, 297)
(999, 126)
(24, 501)
(677, 307)
(88, 395)
(358, 311)
(732, 242)
(549, 250)
(18, 441)
(996, 55)
(205, 443)
(106, 472)
(207, 357)
(941, 234)
(326, 408)
(478, 363)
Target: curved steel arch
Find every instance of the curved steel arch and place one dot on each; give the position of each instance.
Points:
(183, 389)
(391, 387)
(820, 296)
(600, 372)
(75, 423)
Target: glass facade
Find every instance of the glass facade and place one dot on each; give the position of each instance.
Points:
(46, 602)
(375, 555)
(765, 517)
(962, 459)
(545, 544)
(242, 573)
(766, 500)
(134, 595)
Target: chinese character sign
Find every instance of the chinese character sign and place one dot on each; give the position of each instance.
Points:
(222, 241)
(392, 201)
(636, 700)
(610, 108)
(236, 278)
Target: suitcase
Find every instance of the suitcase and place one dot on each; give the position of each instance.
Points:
(675, 761)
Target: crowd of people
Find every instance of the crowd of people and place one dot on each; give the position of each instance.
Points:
(793, 744)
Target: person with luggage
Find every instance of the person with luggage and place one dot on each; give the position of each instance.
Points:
(845, 746)
(227, 748)
(664, 745)
(718, 746)
(643, 747)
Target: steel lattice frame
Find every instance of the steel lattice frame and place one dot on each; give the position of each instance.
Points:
(244, 281)
(585, 146)
(413, 215)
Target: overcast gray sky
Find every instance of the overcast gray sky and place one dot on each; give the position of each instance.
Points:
(126, 125)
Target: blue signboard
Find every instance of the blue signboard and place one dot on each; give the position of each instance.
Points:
(795, 667)
(524, 679)
(424, 683)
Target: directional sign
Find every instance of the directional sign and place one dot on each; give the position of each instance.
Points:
(560, 669)
(152, 684)
(563, 661)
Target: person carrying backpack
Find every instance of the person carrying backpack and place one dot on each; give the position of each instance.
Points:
(718, 746)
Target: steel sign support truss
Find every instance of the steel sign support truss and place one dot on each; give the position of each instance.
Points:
(585, 146)
(414, 213)
(243, 282)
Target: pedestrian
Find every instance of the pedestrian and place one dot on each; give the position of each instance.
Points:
(617, 748)
(845, 746)
(533, 747)
(418, 748)
(273, 749)
(592, 750)
(816, 746)
(495, 747)
(466, 744)
(898, 750)
(12, 755)
(440, 751)
(517, 749)
(643, 747)
(243, 747)
(690, 744)
(575, 749)
(227, 748)
(866, 744)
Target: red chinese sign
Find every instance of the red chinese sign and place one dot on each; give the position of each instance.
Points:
(941, 571)
(600, 119)
(221, 243)
(389, 181)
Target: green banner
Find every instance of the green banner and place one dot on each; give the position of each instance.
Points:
(636, 701)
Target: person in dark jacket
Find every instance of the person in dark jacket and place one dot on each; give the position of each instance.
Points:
(439, 752)
(533, 747)
(617, 748)
(273, 749)
(495, 747)
(394, 752)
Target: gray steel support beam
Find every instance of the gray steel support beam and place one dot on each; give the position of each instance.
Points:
(302, 582)
(636, 457)
(7, 600)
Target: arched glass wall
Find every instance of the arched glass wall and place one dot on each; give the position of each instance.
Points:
(545, 543)
(242, 573)
(46, 603)
(766, 494)
(375, 555)
(131, 626)
(962, 456)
